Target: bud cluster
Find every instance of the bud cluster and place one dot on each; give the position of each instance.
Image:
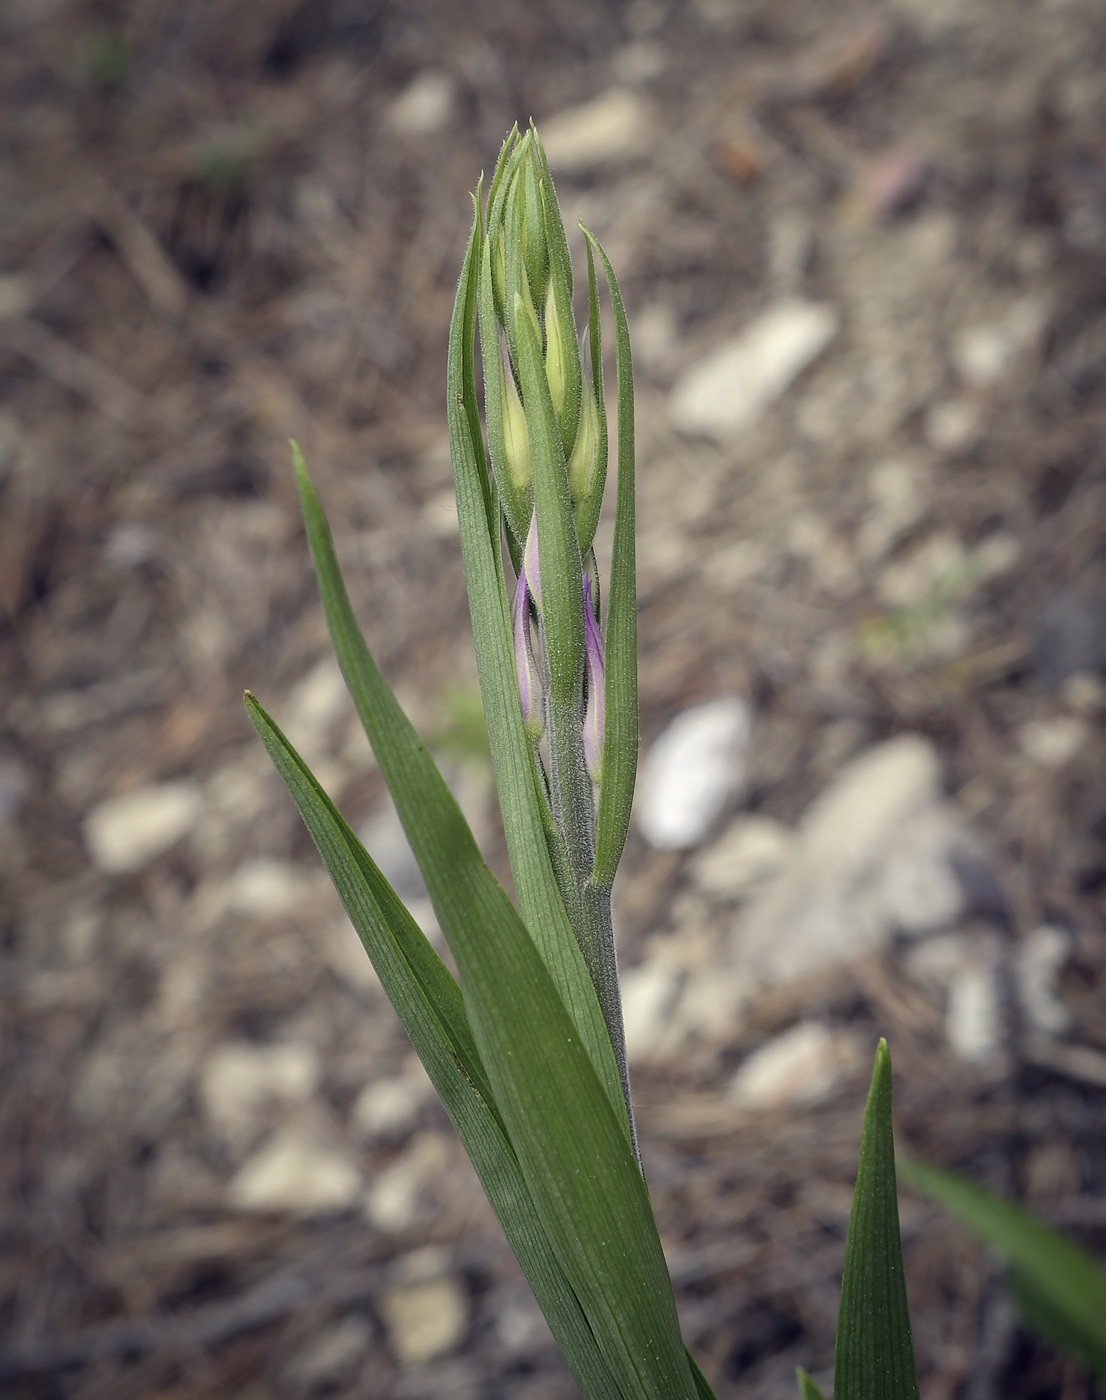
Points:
(547, 439)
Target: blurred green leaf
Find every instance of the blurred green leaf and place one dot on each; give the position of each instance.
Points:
(1059, 1286)
(875, 1350)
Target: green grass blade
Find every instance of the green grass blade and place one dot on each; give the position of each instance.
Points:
(1058, 1284)
(875, 1350)
(620, 736)
(429, 1003)
(808, 1390)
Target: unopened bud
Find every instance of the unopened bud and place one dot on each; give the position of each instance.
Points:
(583, 464)
(516, 435)
(554, 352)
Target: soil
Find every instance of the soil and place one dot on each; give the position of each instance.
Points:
(218, 231)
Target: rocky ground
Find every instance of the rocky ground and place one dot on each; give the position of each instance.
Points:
(872, 624)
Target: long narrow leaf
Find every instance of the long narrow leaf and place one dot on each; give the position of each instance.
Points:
(875, 1350)
(1058, 1284)
(429, 1004)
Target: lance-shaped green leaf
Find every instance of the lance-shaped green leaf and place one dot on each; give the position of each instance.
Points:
(589, 505)
(1059, 1286)
(620, 734)
(524, 821)
(430, 1006)
(875, 1350)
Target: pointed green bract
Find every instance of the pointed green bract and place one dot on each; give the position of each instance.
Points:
(1058, 1284)
(808, 1390)
(620, 739)
(875, 1350)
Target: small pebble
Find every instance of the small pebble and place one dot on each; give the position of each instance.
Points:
(125, 833)
(693, 770)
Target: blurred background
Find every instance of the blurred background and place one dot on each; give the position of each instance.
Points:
(863, 251)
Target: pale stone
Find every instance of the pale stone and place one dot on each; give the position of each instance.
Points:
(317, 701)
(802, 1066)
(611, 127)
(1040, 960)
(392, 1201)
(125, 833)
(239, 1080)
(390, 1107)
(983, 354)
(953, 426)
(296, 1174)
(692, 771)
(749, 851)
(726, 393)
(267, 887)
(873, 855)
(1051, 743)
(425, 1320)
(648, 995)
(935, 961)
(973, 1018)
(424, 106)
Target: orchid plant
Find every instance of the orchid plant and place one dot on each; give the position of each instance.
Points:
(526, 1049)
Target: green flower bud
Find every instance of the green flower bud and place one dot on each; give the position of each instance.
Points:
(583, 464)
(516, 435)
(555, 353)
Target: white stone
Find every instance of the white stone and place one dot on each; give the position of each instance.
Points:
(982, 354)
(425, 1320)
(317, 701)
(802, 1066)
(692, 771)
(391, 1203)
(726, 393)
(873, 856)
(267, 887)
(424, 106)
(648, 996)
(934, 962)
(390, 1107)
(973, 1017)
(1053, 742)
(1040, 960)
(239, 1080)
(125, 833)
(611, 127)
(749, 851)
(296, 1174)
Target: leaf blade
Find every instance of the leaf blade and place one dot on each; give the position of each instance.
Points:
(429, 1003)
(875, 1349)
(1058, 1284)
